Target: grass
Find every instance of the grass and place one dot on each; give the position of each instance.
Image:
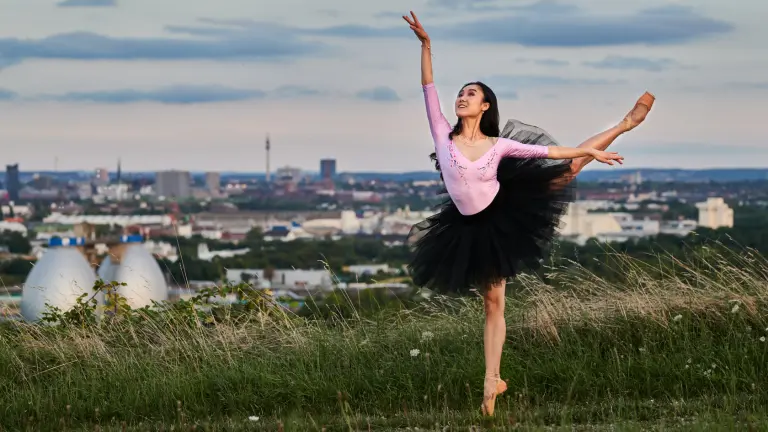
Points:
(675, 345)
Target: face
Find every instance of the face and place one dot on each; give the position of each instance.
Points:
(469, 102)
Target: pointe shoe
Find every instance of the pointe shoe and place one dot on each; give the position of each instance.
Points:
(489, 404)
(635, 116)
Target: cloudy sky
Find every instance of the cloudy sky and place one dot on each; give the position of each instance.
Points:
(197, 84)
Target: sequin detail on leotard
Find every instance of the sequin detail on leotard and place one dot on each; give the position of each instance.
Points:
(484, 169)
(455, 163)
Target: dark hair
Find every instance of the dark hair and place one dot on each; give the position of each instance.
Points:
(489, 122)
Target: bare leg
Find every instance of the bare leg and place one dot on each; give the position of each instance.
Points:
(494, 335)
(604, 139)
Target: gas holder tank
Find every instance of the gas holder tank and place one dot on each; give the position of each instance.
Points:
(58, 278)
(132, 264)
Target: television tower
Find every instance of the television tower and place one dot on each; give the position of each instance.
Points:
(267, 149)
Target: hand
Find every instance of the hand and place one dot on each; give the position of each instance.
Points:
(606, 157)
(417, 28)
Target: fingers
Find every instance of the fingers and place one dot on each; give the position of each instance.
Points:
(411, 23)
(416, 20)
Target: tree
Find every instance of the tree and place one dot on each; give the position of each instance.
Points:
(17, 243)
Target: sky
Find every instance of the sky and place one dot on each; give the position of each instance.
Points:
(198, 84)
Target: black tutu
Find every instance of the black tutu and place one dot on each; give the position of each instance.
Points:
(455, 253)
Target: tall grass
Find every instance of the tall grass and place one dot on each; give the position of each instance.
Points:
(680, 340)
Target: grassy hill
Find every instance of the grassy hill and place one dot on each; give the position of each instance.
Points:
(684, 347)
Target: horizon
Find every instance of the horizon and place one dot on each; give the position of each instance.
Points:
(198, 86)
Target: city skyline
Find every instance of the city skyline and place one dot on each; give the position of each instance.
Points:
(197, 86)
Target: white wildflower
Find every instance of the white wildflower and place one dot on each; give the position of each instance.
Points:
(641, 349)
(690, 361)
(762, 339)
(253, 418)
(427, 335)
(735, 308)
(677, 318)
(415, 352)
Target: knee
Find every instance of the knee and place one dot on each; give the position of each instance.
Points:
(494, 305)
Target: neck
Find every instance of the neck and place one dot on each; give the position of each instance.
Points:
(470, 128)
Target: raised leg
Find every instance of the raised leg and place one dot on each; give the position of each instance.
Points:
(493, 337)
(604, 139)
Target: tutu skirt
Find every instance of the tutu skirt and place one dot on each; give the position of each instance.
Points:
(455, 253)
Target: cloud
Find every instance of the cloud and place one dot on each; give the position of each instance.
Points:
(638, 63)
(177, 95)
(292, 92)
(508, 86)
(6, 95)
(538, 81)
(87, 3)
(212, 40)
(506, 93)
(378, 94)
(544, 62)
(183, 95)
(760, 85)
(5, 62)
(554, 24)
(551, 62)
(541, 6)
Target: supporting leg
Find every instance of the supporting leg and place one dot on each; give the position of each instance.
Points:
(494, 335)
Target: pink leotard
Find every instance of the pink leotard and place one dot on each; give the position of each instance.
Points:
(471, 185)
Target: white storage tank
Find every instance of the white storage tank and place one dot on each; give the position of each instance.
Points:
(134, 265)
(58, 278)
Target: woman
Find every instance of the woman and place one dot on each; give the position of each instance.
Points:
(504, 201)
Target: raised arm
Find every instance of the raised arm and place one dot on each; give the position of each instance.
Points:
(438, 125)
(511, 148)
(426, 46)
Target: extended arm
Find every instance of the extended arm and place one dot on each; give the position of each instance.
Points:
(556, 152)
(516, 149)
(573, 153)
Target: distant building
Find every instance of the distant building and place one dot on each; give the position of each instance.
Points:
(327, 169)
(12, 183)
(173, 184)
(282, 278)
(213, 183)
(289, 174)
(715, 213)
(102, 175)
(578, 224)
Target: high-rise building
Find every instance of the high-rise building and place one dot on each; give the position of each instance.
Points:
(12, 183)
(213, 182)
(102, 175)
(327, 169)
(267, 148)
(715, 213)
(173, 184)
